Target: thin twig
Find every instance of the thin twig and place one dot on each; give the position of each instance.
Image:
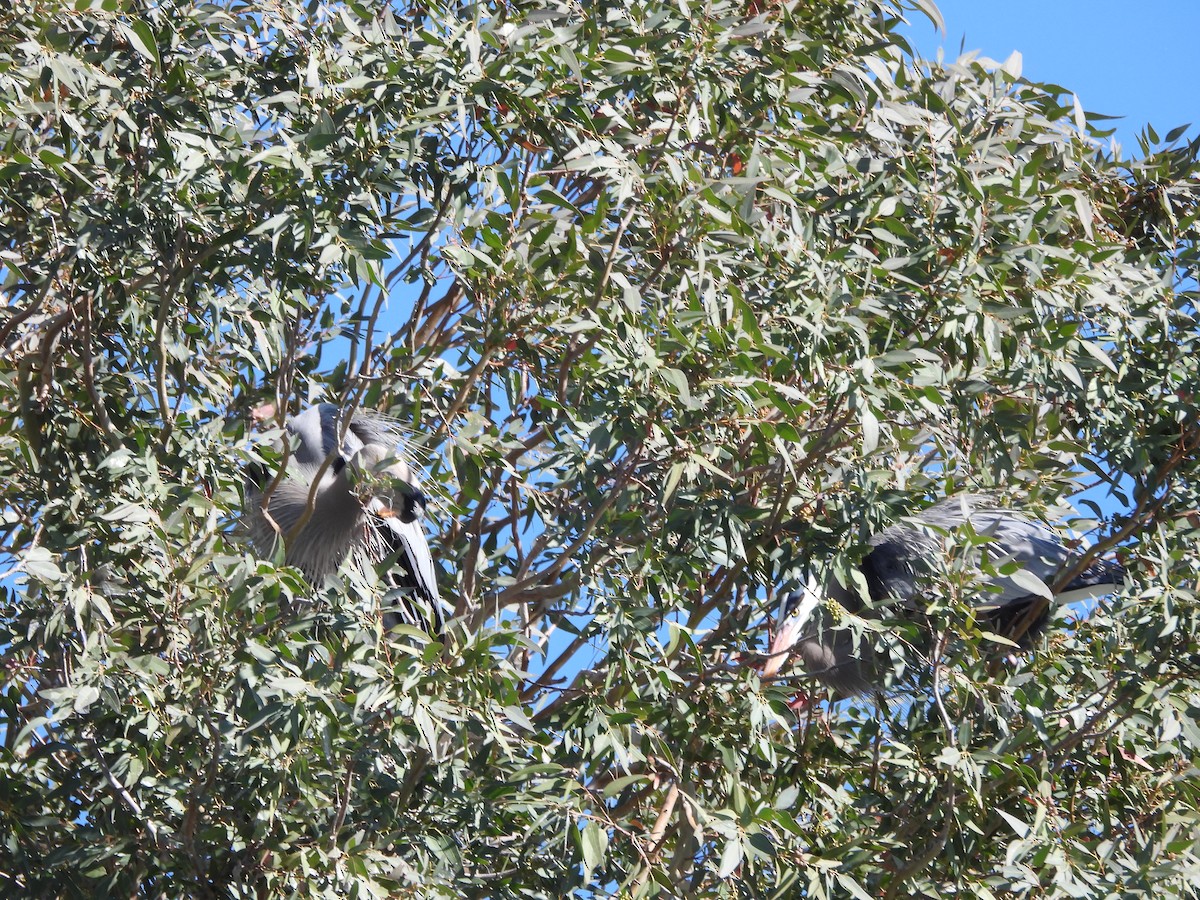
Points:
(938, 669)
(551, 670)
(343, 805)
(165, 300)
(11, 323)
(124, 795)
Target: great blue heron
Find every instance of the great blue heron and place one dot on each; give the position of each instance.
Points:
(366, 506)
(899, 563)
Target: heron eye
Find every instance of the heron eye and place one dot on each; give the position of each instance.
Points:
(339, 464)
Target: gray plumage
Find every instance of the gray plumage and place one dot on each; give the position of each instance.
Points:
(366, 507)
(899, 564)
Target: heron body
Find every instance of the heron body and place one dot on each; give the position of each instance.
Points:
(896, 570)
(348, 494)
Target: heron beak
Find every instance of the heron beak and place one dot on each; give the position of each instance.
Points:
(412, 509)
(785, 638)
(798, 608)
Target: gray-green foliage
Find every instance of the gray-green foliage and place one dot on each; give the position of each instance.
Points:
(700, 294)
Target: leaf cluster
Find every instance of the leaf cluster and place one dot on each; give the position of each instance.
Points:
(681, 301)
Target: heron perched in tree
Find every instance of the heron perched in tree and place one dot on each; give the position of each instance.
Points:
(349, 492)
(896, 570)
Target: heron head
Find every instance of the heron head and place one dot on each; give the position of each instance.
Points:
(376, 468)
(795, 613)
(363, 459)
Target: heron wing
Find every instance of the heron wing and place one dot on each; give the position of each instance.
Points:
(899, 556)
(1033, 546)
(903, 552)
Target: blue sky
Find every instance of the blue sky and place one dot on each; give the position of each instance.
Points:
(1135, 60)
(1138, 60)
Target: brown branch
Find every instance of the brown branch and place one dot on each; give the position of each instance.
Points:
(166, 299)
(437, 317)
(938, 669)
(196, 795)
(931, 851)
(49, 341)
(475, 547)
(420, 759)
(657, 837)
(11, 323)
(612, 254)
(551, 670)
(89, 376)
(359, 373)
(560, 562)
(1143, 512)
(310, 503)
(460, 399)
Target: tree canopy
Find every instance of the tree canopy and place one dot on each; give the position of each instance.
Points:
(680, 300)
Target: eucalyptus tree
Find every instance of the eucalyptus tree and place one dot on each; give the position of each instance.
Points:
(681, 301)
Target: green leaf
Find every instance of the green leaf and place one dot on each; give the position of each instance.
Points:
(852, 887)
(1099, 354)
(1018, 827)
(85, 697)
(141, 37)
(870, 430)
(731, 858)
(39, 564)
(933, 13)
(672, 482)
(594, 841)
(670, 306)
(1027, 581)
